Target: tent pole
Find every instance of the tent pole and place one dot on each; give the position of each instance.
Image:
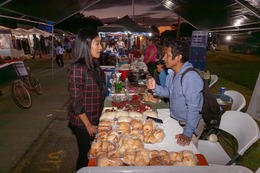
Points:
(178, 27)
(51, 53)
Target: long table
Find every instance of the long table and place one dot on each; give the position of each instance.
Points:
(166, 169)
(171, 128)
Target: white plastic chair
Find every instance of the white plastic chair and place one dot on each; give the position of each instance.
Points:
(213, 79)
(242, 127)
(239, 101)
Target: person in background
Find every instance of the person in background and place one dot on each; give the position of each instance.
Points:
(36, 46)
(86, 87)
(68, 47)
(163, 76)
(136, 53)
(59, 54)
(120, 46)
(111, 48)
(186, 97)
(150, 56)
(160, 73)
(43, 45)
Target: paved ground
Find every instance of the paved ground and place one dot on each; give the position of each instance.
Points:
(38, 139)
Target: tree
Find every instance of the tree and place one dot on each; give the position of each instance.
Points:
(79, 21)
(155, 30)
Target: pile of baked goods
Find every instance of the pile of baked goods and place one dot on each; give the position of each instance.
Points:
(121, 137)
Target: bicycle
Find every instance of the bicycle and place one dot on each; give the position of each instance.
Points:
(23, 87)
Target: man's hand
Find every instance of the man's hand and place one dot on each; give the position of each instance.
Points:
(183, 140)
(150, 83)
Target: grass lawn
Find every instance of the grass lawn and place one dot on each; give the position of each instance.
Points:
(237, 72)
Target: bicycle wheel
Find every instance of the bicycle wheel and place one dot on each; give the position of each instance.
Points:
(21, 95)
(37, 87)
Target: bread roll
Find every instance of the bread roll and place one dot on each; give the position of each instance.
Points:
(155, 161)
(188, 158)
(154, 153)
(142, 157)
(136, 125)
(104, 146)
(114, 154)
(94, 149)
(159, 135)
(135, 114)
(149, 125)
(189, 161)
(105, 126)
(102, 161)
(137, 134)
(165, 158)
(115, 161)
(112, 136)
(124, 119)
(122, 114)
(105, 123)
(108, 116)
(123, 127)
(102, 136)
(129, 157)
(150, 139)
(175, 156)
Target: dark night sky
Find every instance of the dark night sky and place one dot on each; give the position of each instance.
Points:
(147, 12)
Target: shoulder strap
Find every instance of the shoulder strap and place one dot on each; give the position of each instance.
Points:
(187, 70)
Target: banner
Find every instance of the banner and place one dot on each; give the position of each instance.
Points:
(198, 49)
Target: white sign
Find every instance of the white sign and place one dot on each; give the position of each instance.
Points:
(254, 104)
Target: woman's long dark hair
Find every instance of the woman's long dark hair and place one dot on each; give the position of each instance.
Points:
(82, 47)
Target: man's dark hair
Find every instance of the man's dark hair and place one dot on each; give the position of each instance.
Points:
(179, 48)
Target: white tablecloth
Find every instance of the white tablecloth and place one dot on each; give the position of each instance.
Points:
(171, 128)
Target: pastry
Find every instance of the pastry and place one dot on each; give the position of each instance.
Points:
(175, 156)
(165, 158)
(134, 114)
(142, 157)
(122, 114)
(159, 135)
(124, 119)
(154, 153)
(123, 127)
(149, 125)
(136, 125)
(108, 116)
(115, 161)
(155, 161)
(102, 161)
(188, 158)
(112, 136)
(101, 136)
(105, 125)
